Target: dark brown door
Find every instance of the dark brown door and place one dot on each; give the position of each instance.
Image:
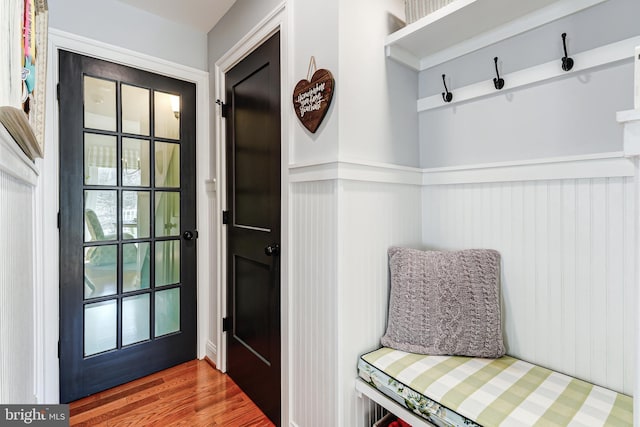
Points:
(253, 177)
(127, 224)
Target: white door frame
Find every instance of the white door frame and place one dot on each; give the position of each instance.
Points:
(47, 201)
(277, 20)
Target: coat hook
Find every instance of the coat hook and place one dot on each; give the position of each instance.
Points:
(567, 63)
(446, 95)
(498, 82)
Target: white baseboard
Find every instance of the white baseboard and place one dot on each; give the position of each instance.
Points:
(211, 351)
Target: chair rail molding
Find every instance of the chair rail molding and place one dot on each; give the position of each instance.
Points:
(599, 165)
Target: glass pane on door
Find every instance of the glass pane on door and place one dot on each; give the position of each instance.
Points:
(167, 309)
(135, 110)
(136, 212)
(135, 162)
(167, 115)
(100, 215)
(99, 104)
(167, 265)
(100, 327)
(100, 159)
(122, 213)
(167, 164)
(135, 319)
(135, 266)
(100, 271)
(167, 214)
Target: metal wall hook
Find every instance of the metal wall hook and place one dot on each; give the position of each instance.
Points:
(446, 95)
(498, 82)
(567, 63)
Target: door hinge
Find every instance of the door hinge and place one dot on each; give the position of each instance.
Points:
(225, 217)
(224, 108)
(58, 220)
(58, 91)
(227, 324)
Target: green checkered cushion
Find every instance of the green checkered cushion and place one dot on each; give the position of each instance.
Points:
(492, 392)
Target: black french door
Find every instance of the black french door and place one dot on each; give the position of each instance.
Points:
(127, 224)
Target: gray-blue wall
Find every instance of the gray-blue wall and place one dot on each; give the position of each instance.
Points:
(569, 116)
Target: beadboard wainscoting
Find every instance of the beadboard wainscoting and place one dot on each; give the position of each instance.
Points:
(568, 266)
(313, 303)
(566, 230)
(18, 177)
(372, 217)
(341, 230)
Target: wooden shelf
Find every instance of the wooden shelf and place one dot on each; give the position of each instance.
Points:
(464, 26)
(604, 55)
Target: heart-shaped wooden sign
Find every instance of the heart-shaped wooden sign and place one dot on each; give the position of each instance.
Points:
(311, 99)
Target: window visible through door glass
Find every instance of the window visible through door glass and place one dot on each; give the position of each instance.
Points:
(100, 159)
(135, 162)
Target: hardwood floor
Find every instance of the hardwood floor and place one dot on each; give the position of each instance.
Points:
(193, 394)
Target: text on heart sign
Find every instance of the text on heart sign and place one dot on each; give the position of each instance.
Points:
(311, 100)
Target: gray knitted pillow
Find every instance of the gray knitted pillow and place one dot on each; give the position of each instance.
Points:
(445, 303)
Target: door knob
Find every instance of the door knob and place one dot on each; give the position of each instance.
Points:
(189, 235)
(272, 250)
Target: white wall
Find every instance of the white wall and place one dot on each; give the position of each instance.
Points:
(119, 24)
(568, 116)
(377, 109)
(315, 33)
(372, 116)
